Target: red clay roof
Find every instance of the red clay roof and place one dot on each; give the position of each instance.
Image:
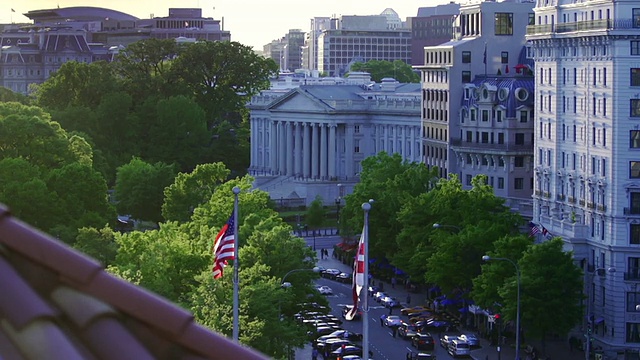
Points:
(57, 303)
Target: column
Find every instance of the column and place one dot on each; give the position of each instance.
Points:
(315, 146)
(324, 150)
(306, 151)
(297, 144)
(273, 149)
(348, 152)
(413, 145)
(253, 144)
(282, 148)
(332, 151)
(264, 140)
(290, 153)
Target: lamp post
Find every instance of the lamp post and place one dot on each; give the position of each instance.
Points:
(489, 258)
(286, 285)
(600, 271)
(440, 226)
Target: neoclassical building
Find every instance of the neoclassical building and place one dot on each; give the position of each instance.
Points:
(310, 138)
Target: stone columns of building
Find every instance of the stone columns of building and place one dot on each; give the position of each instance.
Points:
(348, 152)
(332, 151)
(289, 153)
(273, 148)
(324, 149)
(297, 146)
(315, 147)
(282, 146)
(254, 146)
(306, 151)
(415, 152)
(263, 140)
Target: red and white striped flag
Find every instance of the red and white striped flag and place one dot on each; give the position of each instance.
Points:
(358, 278)
(223, 248)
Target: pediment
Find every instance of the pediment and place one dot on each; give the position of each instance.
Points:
(299, 101)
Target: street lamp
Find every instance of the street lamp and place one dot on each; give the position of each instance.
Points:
(440, 226)
(489, 258)
(600, 271)
(286, 285)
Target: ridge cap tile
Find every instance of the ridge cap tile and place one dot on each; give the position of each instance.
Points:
(42, 339)
(79, 307)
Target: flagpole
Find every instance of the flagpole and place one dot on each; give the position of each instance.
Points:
(365, 289)
(236, 265)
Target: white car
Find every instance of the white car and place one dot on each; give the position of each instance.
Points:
(392, 320)
(325, 290)
(389, 301)
(471, 339)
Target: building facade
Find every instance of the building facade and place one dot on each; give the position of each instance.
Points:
(432, 26)
(311, 137)
(587, 163)
(464, 137)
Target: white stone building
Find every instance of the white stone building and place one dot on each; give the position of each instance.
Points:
(466, 134)
(309, 139)
(587, 154)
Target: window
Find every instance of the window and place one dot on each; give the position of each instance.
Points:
(634, 169)
(469, 136)
(500, 138)
(466, 57)
(636, 18)
(518, 183)
(635, 47)
(519, 139)
(468, 180)
(523, 116)
(499, 116)
(485, 137)
(472, 114)
(500, 183)
(356, 147)
(635, 77)
(469, 159)
(466, 76)
(356, 129)
(634, 203)
(633, 298)
(532, 19)
(504, 24)
(634, 233)
(504, 57)
(633, 333)
(635, 108)
(485, 115)
(518, 161)
(634, 139)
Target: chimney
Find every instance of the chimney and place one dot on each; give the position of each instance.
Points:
(388, 84)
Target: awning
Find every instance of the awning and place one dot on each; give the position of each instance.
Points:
(599, 320)
(346, 246)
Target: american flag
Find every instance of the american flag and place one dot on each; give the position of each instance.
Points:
(534, 229)
(223, 248)
(358, 278)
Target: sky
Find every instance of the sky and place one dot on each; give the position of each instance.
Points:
(251, 22)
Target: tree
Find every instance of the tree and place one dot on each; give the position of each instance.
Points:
(140, 188)
(99, 244)
(380, 69)
(316, 213)
(190, 190)
(551, 291)
(222, 76)
(6, 95)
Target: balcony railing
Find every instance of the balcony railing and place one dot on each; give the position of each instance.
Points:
(632, 211)
(546, 195)
(581, 202)
(604, 24)
(601, 207)
(572, 200)
(538, 192)
(523, 149)
(560, 197)
(591, 205)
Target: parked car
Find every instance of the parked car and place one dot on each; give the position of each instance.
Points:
(420, 356)
(446, 339)
(331, 344)
(321, 330)
(330, 273)
(373, 289)
(471, 339)
(345, 350)
(392, 320)
(423, 341)
(379, 295)
(344, 277)
(413, 309)
(407, 331)
(458, 347)
(325, 290)
(340, 334)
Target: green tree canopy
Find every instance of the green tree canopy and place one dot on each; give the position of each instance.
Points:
(140, 188)
(315, 213)
(380, 69)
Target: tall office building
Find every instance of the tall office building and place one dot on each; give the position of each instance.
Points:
(432, 26)
(477, 96)
(587, 155)
(310, 47)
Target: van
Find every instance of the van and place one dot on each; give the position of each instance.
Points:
(458, 347)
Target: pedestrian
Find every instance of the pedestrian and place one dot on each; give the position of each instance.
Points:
(408, 299)
(390, 310)
(326, 353)
(314, 354)
(393, 282)
(382, 317)
(394, 330)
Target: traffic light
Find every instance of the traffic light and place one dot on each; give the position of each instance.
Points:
(498, 318)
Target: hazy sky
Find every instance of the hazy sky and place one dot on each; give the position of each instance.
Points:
(251, 22)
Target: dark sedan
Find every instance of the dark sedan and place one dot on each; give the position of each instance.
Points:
(423, 341)
(345, 350)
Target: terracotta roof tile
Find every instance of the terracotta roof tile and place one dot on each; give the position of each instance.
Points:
(57, 303)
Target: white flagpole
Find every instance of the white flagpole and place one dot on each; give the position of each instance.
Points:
(364, 292)
(236, 265)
